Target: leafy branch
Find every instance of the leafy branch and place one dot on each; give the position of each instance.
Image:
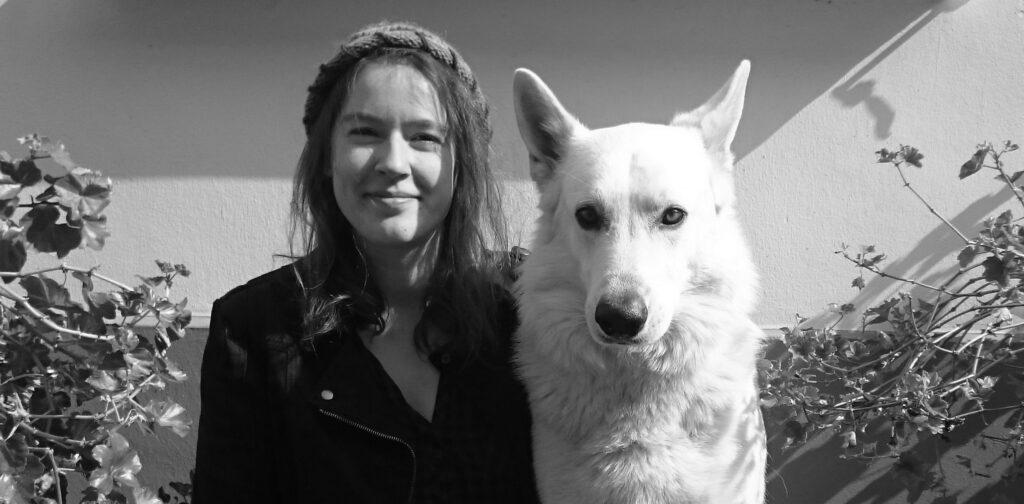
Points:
(918, 363)
(73, 367)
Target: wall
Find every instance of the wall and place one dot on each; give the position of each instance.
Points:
(194, 109)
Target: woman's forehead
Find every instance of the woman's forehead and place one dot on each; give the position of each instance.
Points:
(391, 80)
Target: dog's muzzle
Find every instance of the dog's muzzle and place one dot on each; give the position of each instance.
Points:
(621, 317)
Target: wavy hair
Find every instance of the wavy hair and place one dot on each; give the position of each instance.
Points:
(464, 294)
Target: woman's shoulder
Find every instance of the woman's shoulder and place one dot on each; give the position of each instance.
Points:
(273, 295)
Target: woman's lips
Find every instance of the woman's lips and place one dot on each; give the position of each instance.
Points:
(391, 199)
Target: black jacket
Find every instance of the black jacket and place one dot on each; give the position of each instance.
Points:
(282, 423)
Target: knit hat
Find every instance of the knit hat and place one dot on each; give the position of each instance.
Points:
(384, 35)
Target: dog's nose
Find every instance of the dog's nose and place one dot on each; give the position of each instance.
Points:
(621, 317)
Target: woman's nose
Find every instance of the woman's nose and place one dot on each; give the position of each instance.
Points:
(394, 156)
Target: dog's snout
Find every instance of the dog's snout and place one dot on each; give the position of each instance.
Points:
(621, 317)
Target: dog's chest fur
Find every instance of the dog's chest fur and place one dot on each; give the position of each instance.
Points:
(620, 432)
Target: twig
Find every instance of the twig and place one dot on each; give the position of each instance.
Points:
(63, 441)
(56, 476)
(986, 410)
(45, 319)
(879, 272)
(13, 378)
(1002, 173)
(64, 268)
(906, 183)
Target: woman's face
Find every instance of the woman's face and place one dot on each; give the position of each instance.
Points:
(391, 168)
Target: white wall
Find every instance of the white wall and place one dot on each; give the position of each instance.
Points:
(194, 108)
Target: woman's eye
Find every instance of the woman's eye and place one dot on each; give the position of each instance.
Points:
(673, 216)
(589, 218)
(426, 138)
(362, 132)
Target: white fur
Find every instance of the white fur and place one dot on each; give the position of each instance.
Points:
(671, 416)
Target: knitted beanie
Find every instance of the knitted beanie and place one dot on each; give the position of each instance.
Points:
(385, 35)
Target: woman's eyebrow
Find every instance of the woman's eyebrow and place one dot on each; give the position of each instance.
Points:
(359, 117)
(363, 117)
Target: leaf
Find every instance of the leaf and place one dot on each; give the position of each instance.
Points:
(13, 454)
(8, 207)
(858, 283)
(83, 192)
(143, 495)
(974, 164)
(794, 432)
(12, 251)
(85, 278)
(103, 381)
(171, 415)
(170, 370)
(140, 363)
(94, 231)
(45, 234)
(183, 489)
(966, 256)
(22, 171)
(43, 145)
(1004, 315)
(8, 191)
(126, 339)
(103, 303)
(885, 155)
(911, 155)
(11, 492)
(117, 463)
(44, 292)
(987, 383)
(849, 439)
(995, 271)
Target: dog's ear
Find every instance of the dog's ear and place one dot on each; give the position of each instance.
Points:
(543, 123)
(719, 117)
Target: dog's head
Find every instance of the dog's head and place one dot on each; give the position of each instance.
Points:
(641, 213)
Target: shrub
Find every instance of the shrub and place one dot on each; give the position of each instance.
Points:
(918, 364)
(74, 369)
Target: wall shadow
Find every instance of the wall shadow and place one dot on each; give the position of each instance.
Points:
(931, 261)
(855, 90)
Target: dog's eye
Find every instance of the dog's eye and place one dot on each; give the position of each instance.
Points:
(673, 216)
(588, 217)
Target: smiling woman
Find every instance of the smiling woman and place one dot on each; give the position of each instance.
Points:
(392, 167)
(377, 365)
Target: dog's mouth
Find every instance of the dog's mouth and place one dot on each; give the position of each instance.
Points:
(618, 340)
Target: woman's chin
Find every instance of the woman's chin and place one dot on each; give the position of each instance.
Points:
(395, 235)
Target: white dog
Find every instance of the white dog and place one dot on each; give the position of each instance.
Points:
(636, 345)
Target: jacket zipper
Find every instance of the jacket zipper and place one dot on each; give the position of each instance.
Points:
(412, 482)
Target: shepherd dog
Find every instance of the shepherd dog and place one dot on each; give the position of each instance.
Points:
(635, 344)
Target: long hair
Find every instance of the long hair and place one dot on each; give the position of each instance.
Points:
(463, 297)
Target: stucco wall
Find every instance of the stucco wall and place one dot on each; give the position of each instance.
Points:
(194, 108)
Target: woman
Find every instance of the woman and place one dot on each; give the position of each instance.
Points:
(376, 368)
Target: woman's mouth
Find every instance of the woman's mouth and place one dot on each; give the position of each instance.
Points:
(391, 199)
